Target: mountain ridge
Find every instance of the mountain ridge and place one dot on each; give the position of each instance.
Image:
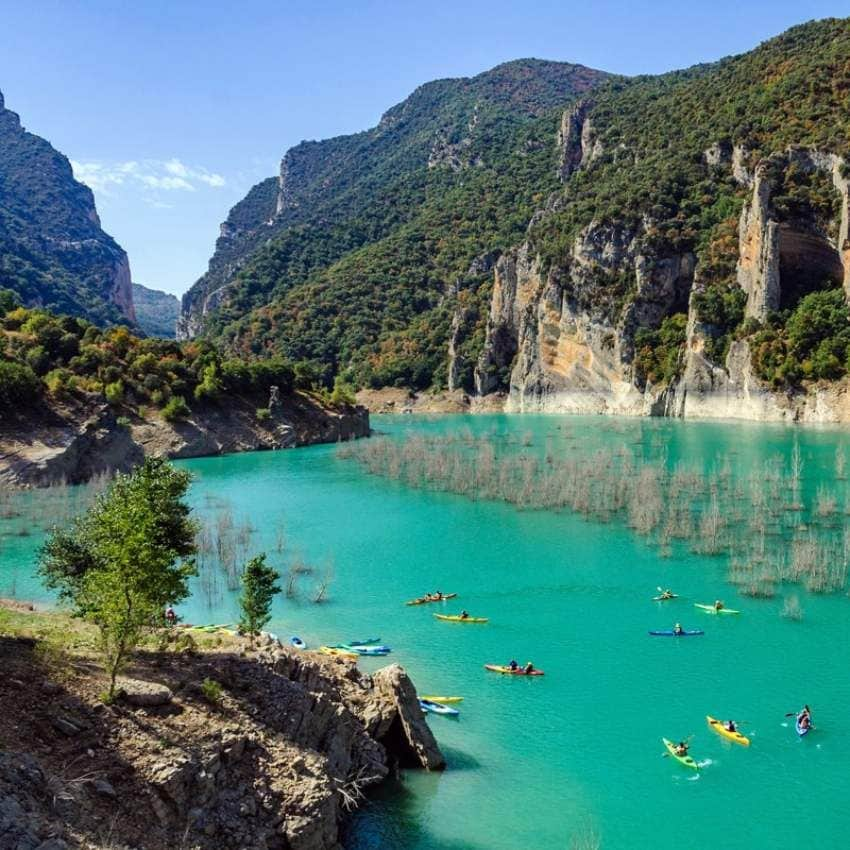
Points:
(53, 251)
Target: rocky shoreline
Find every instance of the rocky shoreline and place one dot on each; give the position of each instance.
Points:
(74, 442)
(275, 760)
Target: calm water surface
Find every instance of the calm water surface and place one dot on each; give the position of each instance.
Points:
(554, 762)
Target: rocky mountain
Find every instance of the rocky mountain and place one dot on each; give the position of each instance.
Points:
(156, 312)
(53, 252)
(352, 256)
(696, 260)
(683, 241)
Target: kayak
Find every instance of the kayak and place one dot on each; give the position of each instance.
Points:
(359, 649)
(436, 708)
(687, 761)
(671, 633)
(424, 600)
(363, 642)
(506, 671)
(297, 642)
(802, 731)
(721, 730)
(456, 618)
(665, 598)
(368, 650)
(443, 700)
(710, 609)
(335, 650)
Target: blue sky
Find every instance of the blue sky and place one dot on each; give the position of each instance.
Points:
(173, 110)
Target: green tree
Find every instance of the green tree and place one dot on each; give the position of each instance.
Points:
(259, 586)
(122, 563)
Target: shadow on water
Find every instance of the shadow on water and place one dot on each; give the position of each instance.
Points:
(458, 760)
(391, 818)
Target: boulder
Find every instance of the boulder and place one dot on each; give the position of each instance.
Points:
(394, 688)
(145, 694)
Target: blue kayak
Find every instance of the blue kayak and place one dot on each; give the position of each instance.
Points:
(363, 642)
(297, 642)
(671, 633)
(360, 649)
(438, 708)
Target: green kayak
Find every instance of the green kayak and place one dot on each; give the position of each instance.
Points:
(710, 609)
(687, 761)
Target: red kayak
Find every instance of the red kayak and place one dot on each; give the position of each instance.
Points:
(506, 671)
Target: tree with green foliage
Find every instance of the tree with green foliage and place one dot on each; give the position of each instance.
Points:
(120, 564)
(175, 409)
(259, 587)
(19, 385)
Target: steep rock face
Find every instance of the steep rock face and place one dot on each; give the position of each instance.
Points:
(53, 252)
(769, 248)
(577, 143)
(156, 312)
(560, 331)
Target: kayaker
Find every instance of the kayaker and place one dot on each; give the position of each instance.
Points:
(730, 726)
(718, 604)
(805, 717)
(682, 748)
(513, 665)
(464, 615)
(678, 630)
(668, 594)
(528, 669)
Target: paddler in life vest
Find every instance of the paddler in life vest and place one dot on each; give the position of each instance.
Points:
(464, 615)
(678, 630)
(514, 666)
(681, 748)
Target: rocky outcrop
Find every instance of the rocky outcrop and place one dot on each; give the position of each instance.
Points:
(562, 339)
(76, 443)
(563, 335)
(577, 142)
(277, 760)
(769, 248)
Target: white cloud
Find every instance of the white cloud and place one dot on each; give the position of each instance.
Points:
(151, 175)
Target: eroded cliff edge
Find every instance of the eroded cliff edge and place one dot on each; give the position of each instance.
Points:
(275, 761)
(563, 337)
(73, 443)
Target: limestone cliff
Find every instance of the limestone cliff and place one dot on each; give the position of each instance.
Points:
(562, 338)
(53, 252)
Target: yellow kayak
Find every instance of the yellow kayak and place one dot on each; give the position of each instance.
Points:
(341, 653)
(442, 700)
(456, 618)
(721, 730)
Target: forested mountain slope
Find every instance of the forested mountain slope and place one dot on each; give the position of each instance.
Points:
(672, 244)
(354, 258)
(53, 252)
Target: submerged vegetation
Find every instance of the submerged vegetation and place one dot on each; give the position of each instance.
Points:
(764, 522)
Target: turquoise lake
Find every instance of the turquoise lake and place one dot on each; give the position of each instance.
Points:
(572, 759)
